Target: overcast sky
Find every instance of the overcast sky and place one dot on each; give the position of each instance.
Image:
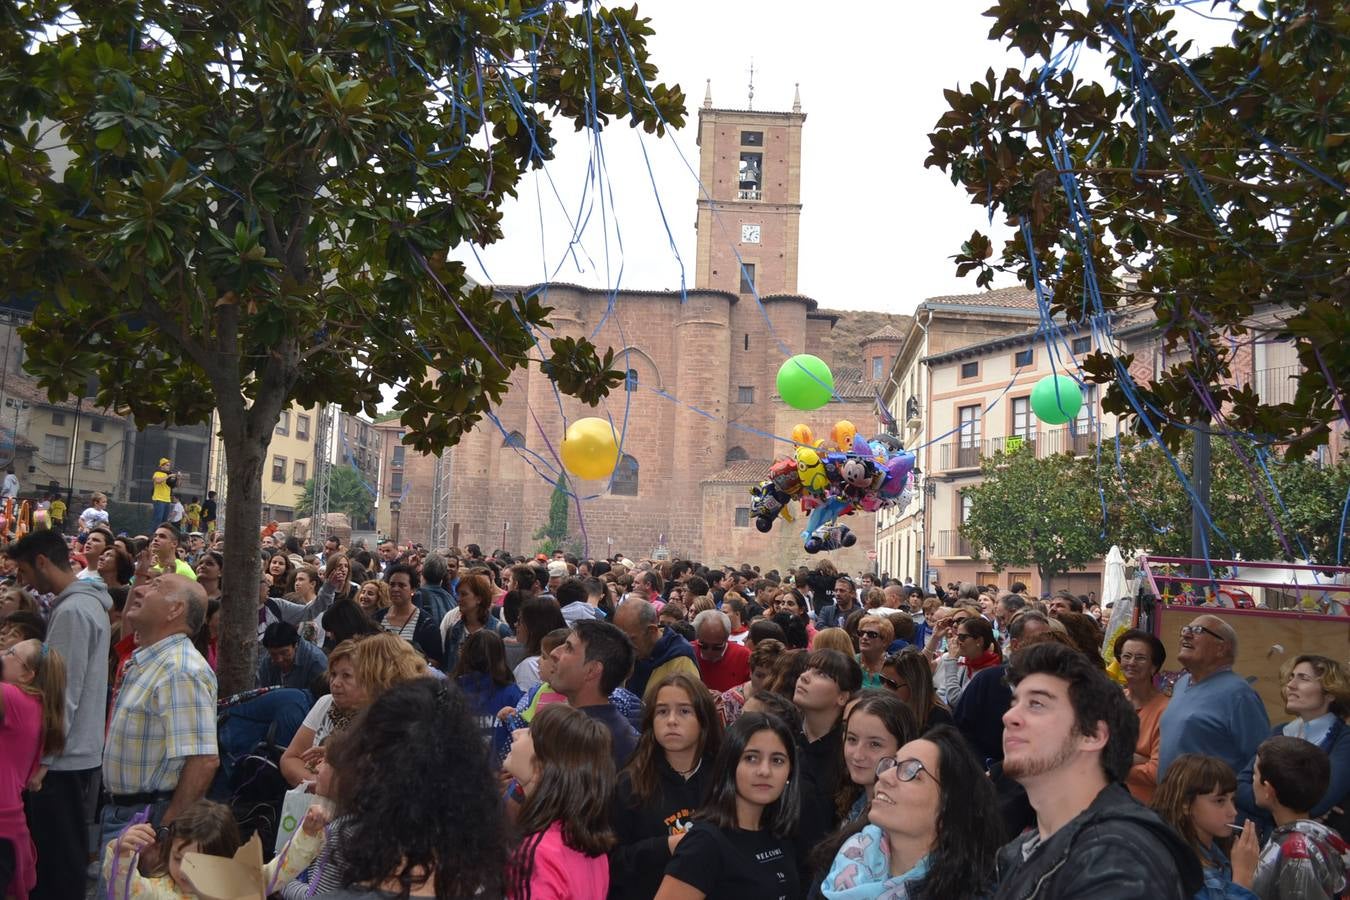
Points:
(877, 227)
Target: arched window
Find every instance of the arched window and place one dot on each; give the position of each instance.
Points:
(625, 477)
(630, 383)
(514, 439)
(736, 454)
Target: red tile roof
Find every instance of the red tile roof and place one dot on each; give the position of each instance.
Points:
(1015, 297)
(745, 471)
(884, 333)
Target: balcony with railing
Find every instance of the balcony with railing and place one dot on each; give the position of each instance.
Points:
(968, 453)
(1277, 384)
(952, 544)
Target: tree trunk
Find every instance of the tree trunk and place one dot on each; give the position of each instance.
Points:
(236, 669)
(1046, 577)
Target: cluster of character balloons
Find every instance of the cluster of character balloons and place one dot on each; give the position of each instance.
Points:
(828, 478)
(833, 478)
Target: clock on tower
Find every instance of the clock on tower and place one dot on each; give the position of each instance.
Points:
(749, 234)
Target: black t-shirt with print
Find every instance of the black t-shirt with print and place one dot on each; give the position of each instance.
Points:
(731, 864)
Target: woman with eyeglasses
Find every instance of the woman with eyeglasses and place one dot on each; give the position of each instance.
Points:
(908, 676)
(972, 648)
(932, 831)
(741, 844)
(1141, 656)
(875, 634)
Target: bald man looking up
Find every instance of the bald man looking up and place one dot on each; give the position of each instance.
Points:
(1214, 710)
(161, 749)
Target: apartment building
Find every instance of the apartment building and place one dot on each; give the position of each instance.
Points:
(940, 325)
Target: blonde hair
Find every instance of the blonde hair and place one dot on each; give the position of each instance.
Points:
(383, 660)
(875, 597)
(381, 592)
(834, 639)
(49, 686)
(1334, 679)
(97, 496)
(345, 650)
(701, 604)
(27, 602)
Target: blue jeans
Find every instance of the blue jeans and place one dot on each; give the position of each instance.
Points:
(159, 513)
(110, 825)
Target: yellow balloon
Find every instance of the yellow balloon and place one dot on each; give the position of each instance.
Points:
(842, 433)
(590, 449)
(802, 435)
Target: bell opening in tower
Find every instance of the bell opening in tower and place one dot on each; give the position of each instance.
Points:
(749, 176)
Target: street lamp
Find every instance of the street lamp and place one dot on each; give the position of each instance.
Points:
(394, 506)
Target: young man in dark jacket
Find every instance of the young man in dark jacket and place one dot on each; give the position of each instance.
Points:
(1069, 739)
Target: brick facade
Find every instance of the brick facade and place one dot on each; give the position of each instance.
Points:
(715, 349)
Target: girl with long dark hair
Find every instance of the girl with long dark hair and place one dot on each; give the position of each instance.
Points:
(565, 770)
(932, 832)
(538, 616)
(741, 845)
(663, 784)
(210, 572)
(876, 726)
(280, 570)
(908, 675)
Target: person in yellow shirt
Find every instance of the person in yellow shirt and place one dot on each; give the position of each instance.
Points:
(163, 481)
(164, 550)
(57, 514)
(193, 515)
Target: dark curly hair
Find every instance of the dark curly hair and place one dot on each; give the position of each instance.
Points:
(413, 776)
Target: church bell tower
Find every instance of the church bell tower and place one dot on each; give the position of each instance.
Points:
(750, 166)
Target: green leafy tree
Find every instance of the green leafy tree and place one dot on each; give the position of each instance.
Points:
(1035, 512)
(1150, 510)
(1263, 121)
(347, 493)
(251, 203)
(1315, 496)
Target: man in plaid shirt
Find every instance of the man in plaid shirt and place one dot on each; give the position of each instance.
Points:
(161, 747)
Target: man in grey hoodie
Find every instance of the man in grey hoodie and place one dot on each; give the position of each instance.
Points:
(60, 799)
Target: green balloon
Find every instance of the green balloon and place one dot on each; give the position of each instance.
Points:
(1056, 399)
(805, 382)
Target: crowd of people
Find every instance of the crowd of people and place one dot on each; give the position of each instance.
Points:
(460, 725)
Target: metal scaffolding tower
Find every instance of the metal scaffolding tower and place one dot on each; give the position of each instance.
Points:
(323, 473)
(440, 503)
